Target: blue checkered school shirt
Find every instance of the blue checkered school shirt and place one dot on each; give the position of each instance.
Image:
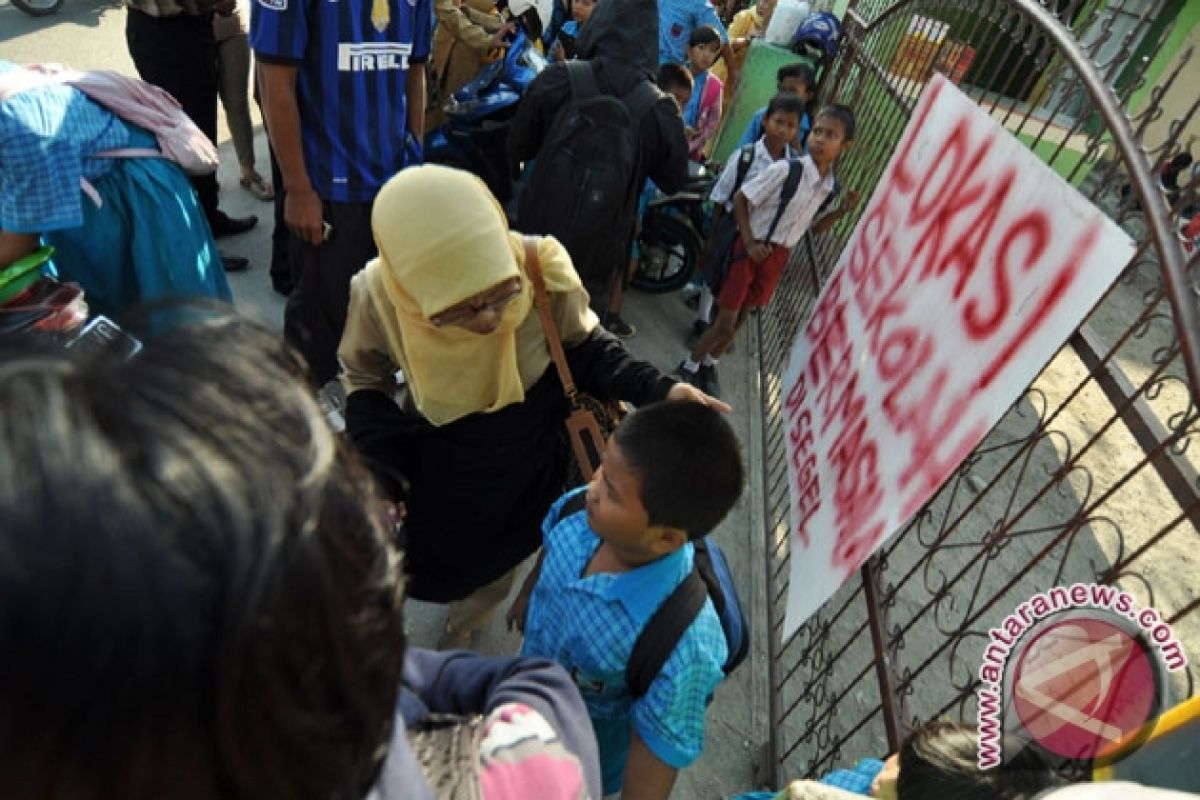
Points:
(47, 134)
(589, 625)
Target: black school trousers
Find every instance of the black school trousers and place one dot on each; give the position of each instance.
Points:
(179, 54)
(316, 309)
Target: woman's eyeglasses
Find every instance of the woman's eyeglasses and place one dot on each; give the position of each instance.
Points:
(466, 311)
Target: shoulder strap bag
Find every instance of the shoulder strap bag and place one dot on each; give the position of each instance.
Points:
(584, 428)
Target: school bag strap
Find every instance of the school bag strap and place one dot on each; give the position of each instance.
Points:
(786, 193)
(639, 100)
(710, 577)
(582, 77)
(744, 162)
(663, 631)
(541, 301)
(577, 503)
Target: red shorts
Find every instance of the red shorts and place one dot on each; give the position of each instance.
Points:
(750, 285)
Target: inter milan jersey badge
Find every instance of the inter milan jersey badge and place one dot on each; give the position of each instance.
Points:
(381, 15)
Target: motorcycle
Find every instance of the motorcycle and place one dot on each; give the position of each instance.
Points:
(673, 231)
(480, 114)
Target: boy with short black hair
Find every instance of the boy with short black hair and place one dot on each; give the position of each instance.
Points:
(671, 473)
(780, 121)
(676, 80)
(797, 79)
(769, 225)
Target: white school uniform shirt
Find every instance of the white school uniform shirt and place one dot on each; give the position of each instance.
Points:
(722, 191)
(763, 196)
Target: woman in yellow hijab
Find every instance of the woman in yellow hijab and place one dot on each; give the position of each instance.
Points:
(472, 444)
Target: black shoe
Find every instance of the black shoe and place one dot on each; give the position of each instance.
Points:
(224, 225)
(234, 263)
(282, 288)
(618, 327)
(708, 381)
(687, 376)
(698, 328)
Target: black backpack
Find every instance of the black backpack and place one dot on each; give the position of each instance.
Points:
(710, 578)
(584, 182)
(725, 233)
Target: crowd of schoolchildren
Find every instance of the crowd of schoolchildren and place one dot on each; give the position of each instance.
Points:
(202, 591)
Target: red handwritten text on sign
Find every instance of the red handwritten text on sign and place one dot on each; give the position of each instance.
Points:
(963, 277)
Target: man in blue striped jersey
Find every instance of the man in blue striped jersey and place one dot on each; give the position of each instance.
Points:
(343, 91)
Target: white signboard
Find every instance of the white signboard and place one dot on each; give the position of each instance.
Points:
(971, 265)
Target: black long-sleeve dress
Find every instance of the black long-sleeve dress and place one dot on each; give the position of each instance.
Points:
(478, 488)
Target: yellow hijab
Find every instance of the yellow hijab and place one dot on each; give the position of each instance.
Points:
(443, 239)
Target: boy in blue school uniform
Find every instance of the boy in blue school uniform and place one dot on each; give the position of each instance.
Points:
(797, 79)
(671, 473)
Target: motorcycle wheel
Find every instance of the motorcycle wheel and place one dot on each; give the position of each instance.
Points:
(38, 8)
(669, 251)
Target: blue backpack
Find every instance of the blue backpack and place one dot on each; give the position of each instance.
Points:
(710, 578)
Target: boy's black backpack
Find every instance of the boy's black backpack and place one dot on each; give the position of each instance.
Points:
(583, 187)
(725, 234)
(710, 578)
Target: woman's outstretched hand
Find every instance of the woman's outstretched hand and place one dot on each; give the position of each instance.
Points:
(685, 391)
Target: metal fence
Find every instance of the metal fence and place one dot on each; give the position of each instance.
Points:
(1092, 473)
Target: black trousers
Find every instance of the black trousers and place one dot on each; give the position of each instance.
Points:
(179, 54)
(316, 309)
(281, 265)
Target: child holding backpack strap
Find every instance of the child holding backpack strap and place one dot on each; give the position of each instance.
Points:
(779, 125)
(630, 597)
(772, 212)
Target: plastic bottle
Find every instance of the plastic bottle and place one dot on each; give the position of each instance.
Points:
(787, 17)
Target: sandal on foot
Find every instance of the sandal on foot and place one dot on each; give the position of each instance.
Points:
(257, 185)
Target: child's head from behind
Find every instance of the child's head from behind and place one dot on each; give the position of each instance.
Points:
(781, 121)
(704, 46)
(236, 591)
(581, 10)
(941, 759)
(675, 80)
(798, 79)
(671, 473)
(831, 134)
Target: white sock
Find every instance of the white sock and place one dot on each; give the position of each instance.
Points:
(709, 361)
(704, 310)
(690, 366)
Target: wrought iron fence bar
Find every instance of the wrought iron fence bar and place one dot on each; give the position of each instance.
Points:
(830, 708)
(868, 61)
(869, 575)
(1180, 478)
(1187, 316)
(1116, 569)
(851, 639)
(1084, 515)
(1183, 612)
(834, 751)
(812, 702)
